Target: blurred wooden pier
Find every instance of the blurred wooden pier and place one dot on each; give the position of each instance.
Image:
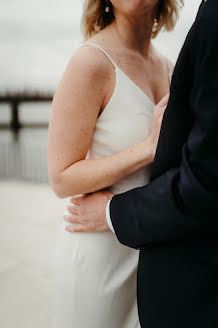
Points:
(23, 143)
(15, 99)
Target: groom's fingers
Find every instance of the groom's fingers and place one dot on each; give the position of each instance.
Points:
(79, 228)
(73, 209)
(76, 200)
(71, 229)
(72, 218)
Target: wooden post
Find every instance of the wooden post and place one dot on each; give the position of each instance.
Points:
(14, 99)
(15, 124)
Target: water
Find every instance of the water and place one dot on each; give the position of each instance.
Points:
(25, 156)
(24, 159)
(35, 49)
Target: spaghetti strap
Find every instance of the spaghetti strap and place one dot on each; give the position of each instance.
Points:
(104, 51)
(169, 70)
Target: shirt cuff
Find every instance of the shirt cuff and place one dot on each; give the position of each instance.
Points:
(108, 216)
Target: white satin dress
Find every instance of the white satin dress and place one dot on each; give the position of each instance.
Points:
(95, 275)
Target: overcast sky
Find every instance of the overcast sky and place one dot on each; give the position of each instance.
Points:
(37, 39)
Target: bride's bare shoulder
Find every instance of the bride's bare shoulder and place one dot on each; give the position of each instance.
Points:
(90, 61)
(91, 57)
(165, 61)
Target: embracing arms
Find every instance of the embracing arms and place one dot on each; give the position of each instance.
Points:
(182, 204)
(76, 105)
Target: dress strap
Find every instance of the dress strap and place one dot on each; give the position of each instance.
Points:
(169, 70)
(104, 51)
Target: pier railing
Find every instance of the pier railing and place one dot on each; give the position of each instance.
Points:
(14, 100)
(21, 157)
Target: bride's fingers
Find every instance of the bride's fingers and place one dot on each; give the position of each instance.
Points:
(165, 98)
(162, 109)
(163, 101)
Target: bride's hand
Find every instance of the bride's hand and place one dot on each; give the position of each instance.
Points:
(158, 113)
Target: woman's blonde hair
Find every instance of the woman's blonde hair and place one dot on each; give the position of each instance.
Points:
(95, 18)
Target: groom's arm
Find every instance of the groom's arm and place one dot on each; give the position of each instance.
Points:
(182, 204)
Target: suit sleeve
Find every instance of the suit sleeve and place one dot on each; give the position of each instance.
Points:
(182, 204)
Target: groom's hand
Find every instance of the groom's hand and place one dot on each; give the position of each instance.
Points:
(88, 212)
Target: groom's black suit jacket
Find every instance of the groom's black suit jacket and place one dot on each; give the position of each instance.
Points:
(174, 219)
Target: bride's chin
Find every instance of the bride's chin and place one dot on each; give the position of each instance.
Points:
(134, 7)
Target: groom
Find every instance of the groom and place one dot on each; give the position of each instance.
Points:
(173, 220)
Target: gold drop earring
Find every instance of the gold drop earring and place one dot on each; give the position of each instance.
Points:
(107, 8)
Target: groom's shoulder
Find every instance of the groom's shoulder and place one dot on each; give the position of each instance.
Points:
(206, 25)
(209, 13)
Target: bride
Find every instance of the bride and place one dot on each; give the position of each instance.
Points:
(103, 133)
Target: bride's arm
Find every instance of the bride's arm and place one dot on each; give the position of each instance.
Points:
(75, 109)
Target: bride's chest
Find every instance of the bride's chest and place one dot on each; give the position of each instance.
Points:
(124, 122)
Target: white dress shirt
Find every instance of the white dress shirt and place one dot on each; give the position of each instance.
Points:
(108, 216)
